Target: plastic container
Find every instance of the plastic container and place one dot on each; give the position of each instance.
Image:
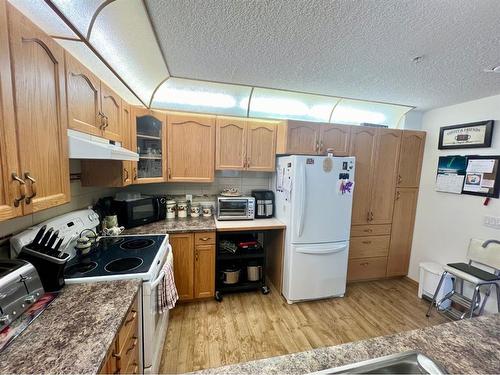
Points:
(430, 274)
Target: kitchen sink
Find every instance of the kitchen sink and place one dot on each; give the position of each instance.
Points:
(401, 363)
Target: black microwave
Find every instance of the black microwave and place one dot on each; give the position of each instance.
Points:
(133, 213)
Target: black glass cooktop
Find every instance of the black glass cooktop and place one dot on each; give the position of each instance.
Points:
(115, 256)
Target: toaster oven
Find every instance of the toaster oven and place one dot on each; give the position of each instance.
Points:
(235, 208)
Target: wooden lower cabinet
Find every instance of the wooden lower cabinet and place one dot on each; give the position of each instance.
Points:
(366, 268)
(403, 221)
(194, 264)
(123, 355)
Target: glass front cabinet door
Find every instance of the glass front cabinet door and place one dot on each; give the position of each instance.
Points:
(150, 144)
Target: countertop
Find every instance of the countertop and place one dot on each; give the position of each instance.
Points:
(469, 346)
(74, 333)
(189, 224)
(256, 224)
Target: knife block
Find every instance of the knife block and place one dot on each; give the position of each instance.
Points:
(50, 269)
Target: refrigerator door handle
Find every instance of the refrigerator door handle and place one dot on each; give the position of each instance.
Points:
(303, 182)
(330, 250)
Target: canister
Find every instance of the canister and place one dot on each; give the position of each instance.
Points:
(206, 209)
(182, 208)
(195, 209)
(170, 209)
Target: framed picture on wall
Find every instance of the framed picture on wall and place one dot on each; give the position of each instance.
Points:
(482, 176)
(471, 135)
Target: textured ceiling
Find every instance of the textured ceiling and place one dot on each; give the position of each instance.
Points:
(361, 49)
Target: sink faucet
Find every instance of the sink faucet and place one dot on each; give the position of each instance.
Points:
(487, 242)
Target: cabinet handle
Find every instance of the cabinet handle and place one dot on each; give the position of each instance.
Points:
(22, 189)
(169, 174)
(135, 173)
(400, 179)
(128, 321)
(204, 238)
(101, 116)
(366, 242)
(368, 216)
(320, 147)
(126, 174)
(33, 187)
(196, 254)
(248, 162)
(106, 123)
(371, 216)
(398, 195)
(364, 264)
(133, 345)
(368, 230)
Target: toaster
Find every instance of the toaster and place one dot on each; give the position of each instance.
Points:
(20, 287)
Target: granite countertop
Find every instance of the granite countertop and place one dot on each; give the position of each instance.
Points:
(469, 346)
(75, 332)
(189, 224)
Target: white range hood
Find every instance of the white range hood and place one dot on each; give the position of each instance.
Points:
(86, 146)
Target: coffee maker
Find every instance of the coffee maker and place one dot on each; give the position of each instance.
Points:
(264, 203)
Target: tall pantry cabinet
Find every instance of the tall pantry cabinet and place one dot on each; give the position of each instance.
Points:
(388, 164)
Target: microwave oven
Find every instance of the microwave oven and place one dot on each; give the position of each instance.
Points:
(132, 213)
(235, 208)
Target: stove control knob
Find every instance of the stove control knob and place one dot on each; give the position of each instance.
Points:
(4, 319)
(30, 299)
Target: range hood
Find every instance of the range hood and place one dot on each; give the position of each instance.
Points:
(86, 146)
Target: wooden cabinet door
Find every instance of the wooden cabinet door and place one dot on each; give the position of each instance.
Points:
(230, 143)
(410, 159)
(362, 146)
(402, 231)
(40, 100)
(204, 271)
(191, 148)
(336, 137)
(149, 132)
(261, 146)
(111, 105)
(83, 97)
(125, 124)
(385, 175)
(10, 190)
(183, 251)
(302, 137)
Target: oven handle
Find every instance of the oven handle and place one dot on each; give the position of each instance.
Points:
(160, 277)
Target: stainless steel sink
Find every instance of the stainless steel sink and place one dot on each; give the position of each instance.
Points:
(401, 363)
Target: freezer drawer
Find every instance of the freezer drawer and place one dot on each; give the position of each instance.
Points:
(316, 271)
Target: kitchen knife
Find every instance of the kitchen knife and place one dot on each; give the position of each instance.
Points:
(52, 240)
(38, 236)
(44, 240)
(55, 251)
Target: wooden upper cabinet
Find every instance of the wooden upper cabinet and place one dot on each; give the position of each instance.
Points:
(336, 137)
(261, 146)
(385, 175)
(410, 159)
(148, 135)
(40, 105)
(298, 137)
(10, 190)
(362, 146)
(402, 231)
(83, 98)
(230, 144)
(111, 105)
(191, 147)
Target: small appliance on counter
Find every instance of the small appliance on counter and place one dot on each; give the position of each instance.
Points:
(20, 287)
(139, 211)
(264, 202)
(235, 208)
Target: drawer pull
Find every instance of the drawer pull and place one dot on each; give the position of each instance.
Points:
(368, 230)
(204, 238)
(134, 315)
(133, 346)
(364, 263)
(366, 242)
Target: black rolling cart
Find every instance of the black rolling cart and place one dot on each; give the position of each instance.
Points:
(240, 263)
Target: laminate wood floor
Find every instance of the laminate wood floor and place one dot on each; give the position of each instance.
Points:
(252, 326)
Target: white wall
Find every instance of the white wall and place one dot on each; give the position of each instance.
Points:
(446, 222)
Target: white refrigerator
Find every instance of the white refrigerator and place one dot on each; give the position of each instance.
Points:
(314, 200)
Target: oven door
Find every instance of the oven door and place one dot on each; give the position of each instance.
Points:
(233, 209)
(143, 211)
(155, 324)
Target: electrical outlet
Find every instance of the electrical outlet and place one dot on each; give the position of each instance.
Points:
(189, 197)
(492, 222)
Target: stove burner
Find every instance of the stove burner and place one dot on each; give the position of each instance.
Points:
(109, 241)
(136, 244)
(123, 264)
(80, 268)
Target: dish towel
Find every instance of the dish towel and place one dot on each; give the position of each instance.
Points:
(167, 292)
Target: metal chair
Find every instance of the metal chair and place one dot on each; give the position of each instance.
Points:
(486, 253)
